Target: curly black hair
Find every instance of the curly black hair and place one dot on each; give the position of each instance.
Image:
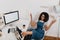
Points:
(46, 16)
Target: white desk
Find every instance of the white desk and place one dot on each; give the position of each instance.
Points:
(11, 36)
(6, 36)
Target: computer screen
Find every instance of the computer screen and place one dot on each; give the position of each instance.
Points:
(11, 17)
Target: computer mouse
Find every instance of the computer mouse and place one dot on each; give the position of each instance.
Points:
(8, 30)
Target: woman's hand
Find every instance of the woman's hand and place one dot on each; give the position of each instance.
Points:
(54, 20)
(52, 16)
(31, 16)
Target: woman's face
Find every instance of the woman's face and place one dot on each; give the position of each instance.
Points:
(43, 17)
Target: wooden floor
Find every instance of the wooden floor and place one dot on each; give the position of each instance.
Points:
(51, 38)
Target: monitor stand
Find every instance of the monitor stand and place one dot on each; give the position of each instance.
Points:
(11, 25)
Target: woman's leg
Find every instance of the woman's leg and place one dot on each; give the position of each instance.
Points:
(28, 37)
(35, 39)
(27, 33)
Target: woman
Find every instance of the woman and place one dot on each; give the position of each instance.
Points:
(38, 33)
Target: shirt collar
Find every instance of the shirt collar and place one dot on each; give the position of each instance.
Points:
(41, 21)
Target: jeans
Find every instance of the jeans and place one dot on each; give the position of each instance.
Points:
(35, 39)
(29, 36)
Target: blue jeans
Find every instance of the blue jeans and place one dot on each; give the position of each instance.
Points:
(35, 39)
(30, 36)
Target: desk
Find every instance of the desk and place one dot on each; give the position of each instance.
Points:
(6, 36)
(11, 36)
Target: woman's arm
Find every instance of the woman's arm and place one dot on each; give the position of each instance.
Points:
(32, 23)
(52, 22)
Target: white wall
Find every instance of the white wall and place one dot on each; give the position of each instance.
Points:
(26, 6)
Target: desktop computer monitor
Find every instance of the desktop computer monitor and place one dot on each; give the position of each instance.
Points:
(11, 17)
